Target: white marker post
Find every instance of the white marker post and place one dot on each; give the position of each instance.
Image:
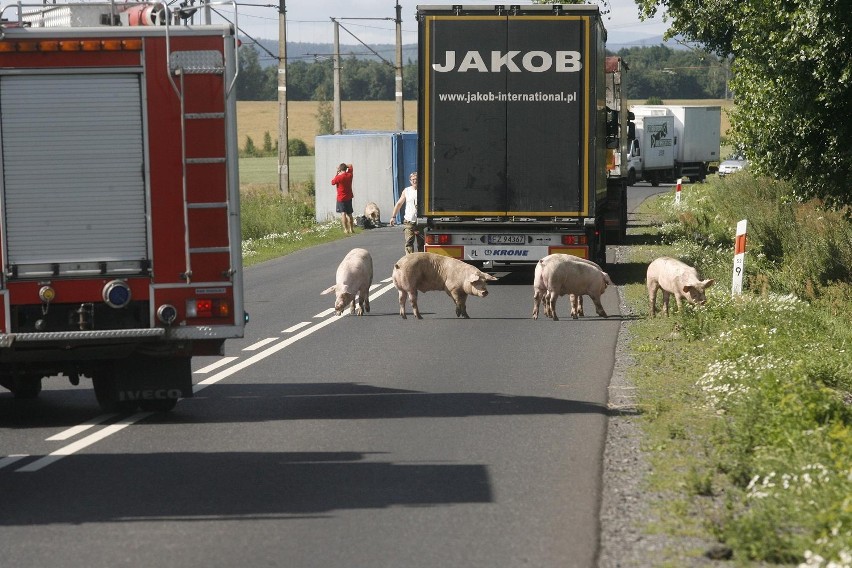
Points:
(739, 259)
(677, 191)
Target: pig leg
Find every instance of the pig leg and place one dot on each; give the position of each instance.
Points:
(652, 298)
(598, 307)
(576, 305)
(414, 308)
(666, 296)
(403, 297)
(547, 311)
(536, 303)
(460, 299)
(553, 297)
(366, 296)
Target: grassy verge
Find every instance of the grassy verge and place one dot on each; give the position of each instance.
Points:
(747, 401)
(274, 224)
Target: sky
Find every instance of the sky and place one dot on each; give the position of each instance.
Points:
(371, 21)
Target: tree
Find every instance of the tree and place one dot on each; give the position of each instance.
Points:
(792, 79)
(251, 77)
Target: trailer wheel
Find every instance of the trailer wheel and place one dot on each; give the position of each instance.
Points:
(631, 177)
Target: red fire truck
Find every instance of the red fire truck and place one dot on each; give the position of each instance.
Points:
(119, 199)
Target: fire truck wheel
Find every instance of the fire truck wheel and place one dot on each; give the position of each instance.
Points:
(27, 387)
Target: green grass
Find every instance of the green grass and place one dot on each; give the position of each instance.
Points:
(274, 224)
(747, 401)
(260, 171)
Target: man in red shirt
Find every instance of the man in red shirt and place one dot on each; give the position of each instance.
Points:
(343, 181)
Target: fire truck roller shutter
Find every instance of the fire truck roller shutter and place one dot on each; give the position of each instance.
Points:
(81, 197)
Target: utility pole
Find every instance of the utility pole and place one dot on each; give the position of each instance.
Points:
(338, 121)
(400, 110)
(283, 135)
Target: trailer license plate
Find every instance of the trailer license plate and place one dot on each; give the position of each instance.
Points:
(507, 239)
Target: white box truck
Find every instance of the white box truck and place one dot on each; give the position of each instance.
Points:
(652, 152)
(695, 144)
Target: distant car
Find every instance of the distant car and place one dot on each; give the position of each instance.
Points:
(732, 165)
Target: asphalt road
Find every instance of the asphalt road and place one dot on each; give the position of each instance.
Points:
(325, 441)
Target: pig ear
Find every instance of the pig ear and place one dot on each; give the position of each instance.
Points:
(487, 276)
(708, 283)
(328, 290)
(686, 289)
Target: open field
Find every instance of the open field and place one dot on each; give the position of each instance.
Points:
(256, 117)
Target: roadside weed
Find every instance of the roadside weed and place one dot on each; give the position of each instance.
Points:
(748, 401)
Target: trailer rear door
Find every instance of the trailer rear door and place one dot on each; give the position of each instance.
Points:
(505, 126)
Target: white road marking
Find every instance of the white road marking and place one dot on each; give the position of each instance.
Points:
(84, 442)
(215, 365)
(277, 347)
(324, 313)
(71, 432)
(259, 344)
(9, 460)
(296, 327)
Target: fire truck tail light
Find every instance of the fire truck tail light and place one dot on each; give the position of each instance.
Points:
(438, 239)
(574, 240)
(48, 46)
(116, 294)
(207, 308)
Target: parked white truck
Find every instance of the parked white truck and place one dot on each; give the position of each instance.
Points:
(651, 155)
(695, 142)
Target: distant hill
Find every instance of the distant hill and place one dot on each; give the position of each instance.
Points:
(318, 51)
(268, 49)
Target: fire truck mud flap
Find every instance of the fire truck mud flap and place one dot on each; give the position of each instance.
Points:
(147, 383)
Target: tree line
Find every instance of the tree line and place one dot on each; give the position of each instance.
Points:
(658, 71)
(360, 79)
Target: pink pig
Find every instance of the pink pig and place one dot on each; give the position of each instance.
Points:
(425, 271)
(674, 277)
(352, 283)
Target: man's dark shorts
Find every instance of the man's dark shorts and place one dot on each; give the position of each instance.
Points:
(345, 206)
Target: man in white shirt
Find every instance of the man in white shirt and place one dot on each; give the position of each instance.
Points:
(413, 238)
